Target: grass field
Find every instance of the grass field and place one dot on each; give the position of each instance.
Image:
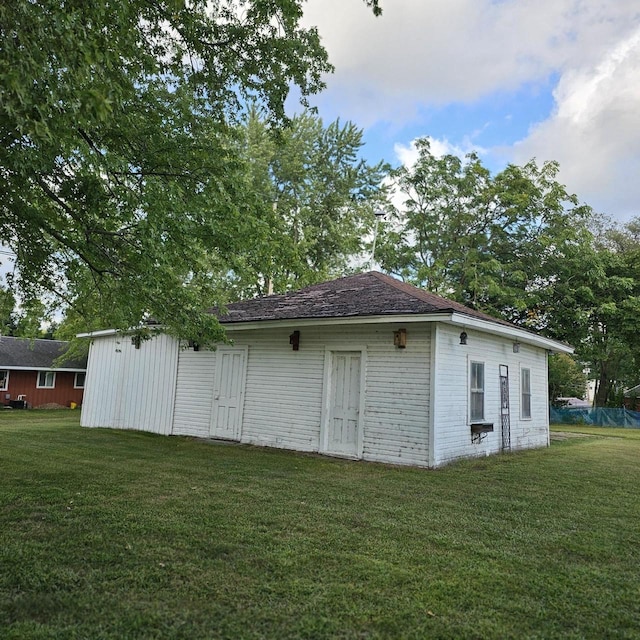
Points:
(108, 534)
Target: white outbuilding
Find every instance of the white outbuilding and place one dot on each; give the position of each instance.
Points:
(363, 367)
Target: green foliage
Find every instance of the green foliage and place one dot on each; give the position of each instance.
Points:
(116, 534)
(567, 378)
(600, 306)
(7, 317)
(313, 202)
(496, 243)
(121, 188)
(518, 246)
(25, 320)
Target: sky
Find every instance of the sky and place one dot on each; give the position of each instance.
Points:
(509, 79)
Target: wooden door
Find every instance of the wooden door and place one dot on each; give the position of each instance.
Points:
(342, 423)
(228, 393)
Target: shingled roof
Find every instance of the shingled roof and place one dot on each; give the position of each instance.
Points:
(36, 354)
(360, 295)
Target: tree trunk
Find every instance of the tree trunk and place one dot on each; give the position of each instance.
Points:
(603, 387)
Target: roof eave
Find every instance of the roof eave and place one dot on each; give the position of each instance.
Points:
(405, 318)
(11, 367)
(521, 335)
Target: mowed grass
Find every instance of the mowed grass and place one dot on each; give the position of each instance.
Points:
(113, 534)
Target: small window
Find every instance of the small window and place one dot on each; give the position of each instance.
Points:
(4, 380)
(46, 380)
(78, 383)
(525, 379)
(476, 410)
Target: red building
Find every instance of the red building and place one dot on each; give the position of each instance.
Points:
(34, 373)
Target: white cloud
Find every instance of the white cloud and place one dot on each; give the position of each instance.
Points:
(442, 51)
(425, 55)
(408, 154)
(594, 132)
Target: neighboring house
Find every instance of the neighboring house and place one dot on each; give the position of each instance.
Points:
(31, 375)
(631, 398)
(363, 367)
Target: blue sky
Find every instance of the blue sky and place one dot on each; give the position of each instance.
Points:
(509, 79)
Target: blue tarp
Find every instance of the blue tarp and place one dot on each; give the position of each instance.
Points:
(599, 417)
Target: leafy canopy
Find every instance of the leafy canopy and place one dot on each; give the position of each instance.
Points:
(496, 243)
(314, 202)
(120, 184)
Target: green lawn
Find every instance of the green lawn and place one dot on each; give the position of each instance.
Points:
(108, 534)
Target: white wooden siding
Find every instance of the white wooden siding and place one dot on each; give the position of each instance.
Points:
(194, 393)
(452, 432)
(283, 393)
(284, 389)
(164, 389)
(129, 388)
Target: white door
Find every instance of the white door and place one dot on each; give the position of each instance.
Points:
(228, 393)
(342, 423)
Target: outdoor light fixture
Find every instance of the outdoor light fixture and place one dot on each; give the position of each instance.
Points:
(463, 337)
(194, 345)
(400, 338)
(294, 340)
(516, 347)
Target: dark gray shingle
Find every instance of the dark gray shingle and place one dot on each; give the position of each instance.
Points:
(36, 354)
(363, 294)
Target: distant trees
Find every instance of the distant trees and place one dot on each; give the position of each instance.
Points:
(312, 206)
(600, 309)
(517, 245)
(567, 378)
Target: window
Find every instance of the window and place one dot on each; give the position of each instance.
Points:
(4, 380)
(46, 380)
(525, 383)
(78, 383)
(476, 407)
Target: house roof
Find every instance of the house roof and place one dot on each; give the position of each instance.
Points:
(363, 294)
(364, 297)
(23, 353)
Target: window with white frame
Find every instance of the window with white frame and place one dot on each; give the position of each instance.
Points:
(4, 379)
(476, 397)
(46, 380)
(78, 382)
(525, 391)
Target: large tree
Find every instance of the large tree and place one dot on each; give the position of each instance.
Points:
(598, 310)
(497, 243)
(314, 202)
(120, 185)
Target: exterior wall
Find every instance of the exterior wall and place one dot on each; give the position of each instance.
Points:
(129, 388)
(452, 431)
(284, 389)
(163, 389)
(25, 383)
(194, 393)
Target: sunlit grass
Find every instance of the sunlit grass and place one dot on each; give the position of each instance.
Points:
(108, 534)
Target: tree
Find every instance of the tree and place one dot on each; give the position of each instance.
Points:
(314, 202)
(496, 243)
(119, 177)
(7, 317)
(566, 377)
(601, 308)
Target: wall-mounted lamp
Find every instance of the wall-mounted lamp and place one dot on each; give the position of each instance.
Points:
(194, 345)
(294, 340)
(135, 341)
(516, 347)
(463, 337)
(400, 338)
